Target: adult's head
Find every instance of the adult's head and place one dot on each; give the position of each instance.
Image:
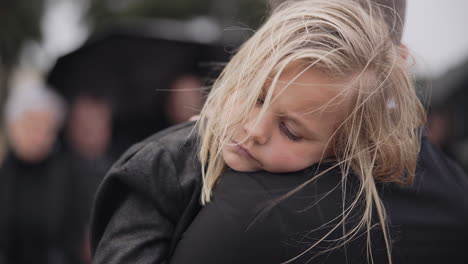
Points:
(33, 117)
(184, 99)
(89, 126)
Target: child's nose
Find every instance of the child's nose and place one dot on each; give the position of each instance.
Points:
(259, 131)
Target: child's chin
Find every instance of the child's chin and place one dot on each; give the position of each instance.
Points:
(239, 166)
(245, 170)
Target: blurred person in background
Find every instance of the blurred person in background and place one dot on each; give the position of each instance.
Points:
(45, 190)
(447, 116)
(185, 99)
(123, 86)
(88, 129)
(33, 118)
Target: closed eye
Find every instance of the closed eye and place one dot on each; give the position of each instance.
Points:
(288, 133)
(261, 97)
(260, 101)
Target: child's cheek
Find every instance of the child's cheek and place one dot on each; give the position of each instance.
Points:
(287, 161)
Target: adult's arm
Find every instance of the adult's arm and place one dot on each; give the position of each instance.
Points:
(143, 201)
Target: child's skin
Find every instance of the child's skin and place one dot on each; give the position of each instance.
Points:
(297, 128)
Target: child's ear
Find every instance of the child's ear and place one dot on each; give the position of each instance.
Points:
(404, 52)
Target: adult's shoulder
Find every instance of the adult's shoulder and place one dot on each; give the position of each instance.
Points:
(428, 217)
(439, 176)
(158, 163)
(176, 141)
(439, 182)
(161, 171)
(442, 179)
(433, 162)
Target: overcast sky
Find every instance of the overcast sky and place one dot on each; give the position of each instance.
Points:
(437, 34)
(63, 27)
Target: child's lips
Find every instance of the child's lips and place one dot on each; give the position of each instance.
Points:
(241, 150)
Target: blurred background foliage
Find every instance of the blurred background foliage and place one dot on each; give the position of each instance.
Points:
(20, 21)
(247, 12)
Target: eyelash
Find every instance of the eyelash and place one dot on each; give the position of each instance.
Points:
(283, 128)
(260, 101)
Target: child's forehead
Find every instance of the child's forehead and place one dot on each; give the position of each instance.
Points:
(306, 80)
(308, 92)
(307, 72)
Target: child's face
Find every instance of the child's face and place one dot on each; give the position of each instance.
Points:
(296, 128)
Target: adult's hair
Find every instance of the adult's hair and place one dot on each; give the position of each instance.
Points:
(394, 13)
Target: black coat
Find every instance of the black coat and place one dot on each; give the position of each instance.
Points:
(146, 211)
(148, 199)
(44, 208)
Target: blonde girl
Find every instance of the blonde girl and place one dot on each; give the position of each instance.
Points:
(320, 81)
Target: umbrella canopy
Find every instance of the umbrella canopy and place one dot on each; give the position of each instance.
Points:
(133, 70)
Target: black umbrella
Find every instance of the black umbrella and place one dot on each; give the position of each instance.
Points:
(130, 69)
(133, 71)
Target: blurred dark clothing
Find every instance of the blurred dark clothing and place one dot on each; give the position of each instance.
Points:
(448, 111)
(44, 207)
(149, 201)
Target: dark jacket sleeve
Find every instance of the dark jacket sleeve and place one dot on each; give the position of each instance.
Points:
(137, 207)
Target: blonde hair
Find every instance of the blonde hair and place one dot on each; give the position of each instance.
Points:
(393, 11)
(378, 141)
